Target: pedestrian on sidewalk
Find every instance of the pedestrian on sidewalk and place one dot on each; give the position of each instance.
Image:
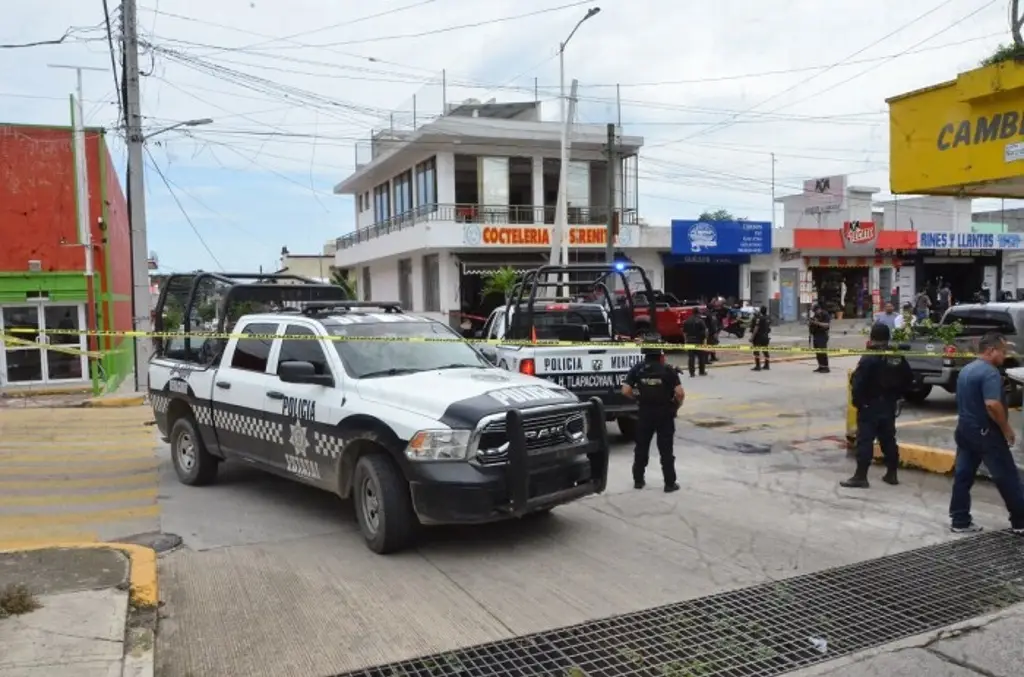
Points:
(760, 337)
(983, 435)
(879, 382)
(820, 324)
(695, 332)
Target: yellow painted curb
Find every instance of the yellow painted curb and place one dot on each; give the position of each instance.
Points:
(929, 459)
(115, 402)
(143, 591)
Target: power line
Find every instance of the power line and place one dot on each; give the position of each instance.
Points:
(181, 208)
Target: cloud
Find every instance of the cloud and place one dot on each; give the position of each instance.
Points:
(715, 89)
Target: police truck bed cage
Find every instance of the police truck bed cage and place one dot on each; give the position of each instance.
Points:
(588, 276)
(329, 307)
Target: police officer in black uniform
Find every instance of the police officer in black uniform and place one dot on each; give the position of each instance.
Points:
(879, 383)
(760, 337)
(657, 388)
(695, 332)
(819, 325)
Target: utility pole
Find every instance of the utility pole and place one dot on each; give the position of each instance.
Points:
(773, 191)
(613, 214)
(136, 193)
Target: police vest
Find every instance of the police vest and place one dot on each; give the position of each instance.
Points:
(653, 385)
(892, 377)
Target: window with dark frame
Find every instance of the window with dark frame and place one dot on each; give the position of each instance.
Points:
(303, 350)
(252, 354)
(431, 284)
(367, 289)
(382, 202)
(403, 193)
(426, 186)
(405, 283)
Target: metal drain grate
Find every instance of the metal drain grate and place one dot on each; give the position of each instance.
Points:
(766, 630)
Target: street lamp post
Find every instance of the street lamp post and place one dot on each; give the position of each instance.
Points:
(179, 125)
(562, 218)
(137, 239)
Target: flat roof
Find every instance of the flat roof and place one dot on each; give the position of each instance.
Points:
(484, 131)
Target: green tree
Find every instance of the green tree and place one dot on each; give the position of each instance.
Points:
(716, 215)
(340, 279)
(501, 281)
(1010, 52)
(207, 311)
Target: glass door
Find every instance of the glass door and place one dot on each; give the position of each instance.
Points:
(22, 363)
(70, 364)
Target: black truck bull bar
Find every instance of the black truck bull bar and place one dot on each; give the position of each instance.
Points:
(518, 470)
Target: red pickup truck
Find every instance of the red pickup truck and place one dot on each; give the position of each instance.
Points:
(670, 313)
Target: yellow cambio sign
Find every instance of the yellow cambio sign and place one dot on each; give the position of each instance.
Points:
(965, 135)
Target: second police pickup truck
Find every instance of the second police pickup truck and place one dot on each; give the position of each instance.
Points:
(582, 312)
(415, 432)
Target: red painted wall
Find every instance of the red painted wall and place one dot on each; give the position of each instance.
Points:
(38, 213)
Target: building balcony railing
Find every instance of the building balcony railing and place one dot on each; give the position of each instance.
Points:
(485, 214)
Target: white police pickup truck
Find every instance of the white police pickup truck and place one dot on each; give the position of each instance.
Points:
(416, 432)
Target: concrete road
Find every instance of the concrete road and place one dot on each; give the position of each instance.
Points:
(274, 579)
(73, 474)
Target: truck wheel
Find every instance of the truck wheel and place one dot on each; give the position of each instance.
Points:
(627, 427)
(194, 465)
(918, 394)
(382, 504)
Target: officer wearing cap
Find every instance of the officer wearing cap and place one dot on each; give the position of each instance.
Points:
(879, 382)
(657, 388)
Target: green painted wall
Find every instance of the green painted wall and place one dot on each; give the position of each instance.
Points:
(64, 286)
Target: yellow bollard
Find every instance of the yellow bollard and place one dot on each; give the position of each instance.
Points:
(851, 412)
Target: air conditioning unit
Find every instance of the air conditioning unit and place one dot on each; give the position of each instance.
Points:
(35, 266)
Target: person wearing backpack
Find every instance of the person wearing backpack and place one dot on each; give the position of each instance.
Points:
(879, 383)
(760, 336)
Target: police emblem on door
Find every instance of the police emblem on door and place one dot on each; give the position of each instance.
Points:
(596, 365)
(298, 439)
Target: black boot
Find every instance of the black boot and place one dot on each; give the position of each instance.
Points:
(757, 366)
(859, 479)
(767, 367)
(639, 484)
(890, 477)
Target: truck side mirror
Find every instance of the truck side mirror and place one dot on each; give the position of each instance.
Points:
(302, 372)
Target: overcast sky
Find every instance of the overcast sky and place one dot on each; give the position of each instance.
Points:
(294, 87)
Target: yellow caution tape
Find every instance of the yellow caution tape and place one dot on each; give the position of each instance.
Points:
(57, 348)
(624, 345)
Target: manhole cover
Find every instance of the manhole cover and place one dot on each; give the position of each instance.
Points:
(159, 542)
(765, 630)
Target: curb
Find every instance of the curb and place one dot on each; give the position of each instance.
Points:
(119, 401)
(143, 591)
(919, 457)
(45, 391)
(143, 595)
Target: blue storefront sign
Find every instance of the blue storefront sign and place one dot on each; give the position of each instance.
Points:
(957, 240)
(721, 238)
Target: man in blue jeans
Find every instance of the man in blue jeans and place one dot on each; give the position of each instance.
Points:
(983, 435)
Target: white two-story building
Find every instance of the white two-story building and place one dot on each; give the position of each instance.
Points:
(439, 207)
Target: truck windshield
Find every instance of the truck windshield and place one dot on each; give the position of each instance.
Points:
(397, 347)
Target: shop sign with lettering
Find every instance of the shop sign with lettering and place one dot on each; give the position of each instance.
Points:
(961, 240)
(482, 235)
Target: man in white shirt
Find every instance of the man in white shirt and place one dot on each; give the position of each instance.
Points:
(888, 318)
(906, 318)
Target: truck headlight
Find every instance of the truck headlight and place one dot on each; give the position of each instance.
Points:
(438, 445)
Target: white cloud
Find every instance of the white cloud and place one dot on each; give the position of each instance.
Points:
(822, 126)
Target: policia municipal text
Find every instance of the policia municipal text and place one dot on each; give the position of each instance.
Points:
(656, 385)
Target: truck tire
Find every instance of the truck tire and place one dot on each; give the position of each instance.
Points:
(194, 465)
(382, 504)
(627, 427)
(918, 395)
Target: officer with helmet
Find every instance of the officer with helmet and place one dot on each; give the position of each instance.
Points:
(879, 383)
(659, 393)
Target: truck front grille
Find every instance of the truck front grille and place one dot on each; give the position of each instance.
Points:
(543, 431)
